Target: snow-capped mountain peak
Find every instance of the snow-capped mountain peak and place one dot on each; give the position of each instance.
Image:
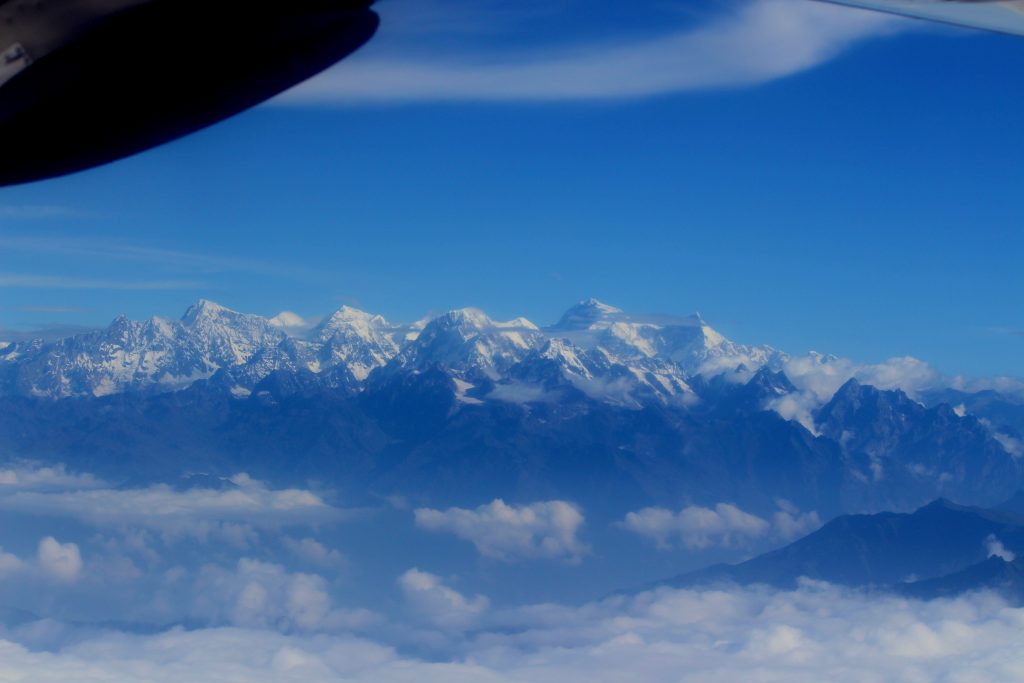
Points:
(351, 320)
(361, 340)
(204, 309)
(467, 342)
(599, 348)
(586, 314)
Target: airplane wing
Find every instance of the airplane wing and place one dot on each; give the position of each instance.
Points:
(1003, 16)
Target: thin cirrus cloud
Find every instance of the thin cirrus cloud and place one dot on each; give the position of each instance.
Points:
(757, 42)
(22, 281)
(36, 212)
(95, 249)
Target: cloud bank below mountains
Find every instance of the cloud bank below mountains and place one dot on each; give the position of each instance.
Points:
(756, 42)
(800, 636)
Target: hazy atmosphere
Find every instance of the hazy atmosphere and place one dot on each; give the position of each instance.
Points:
(535, 341)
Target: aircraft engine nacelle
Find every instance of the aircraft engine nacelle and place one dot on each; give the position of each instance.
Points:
(86, 82)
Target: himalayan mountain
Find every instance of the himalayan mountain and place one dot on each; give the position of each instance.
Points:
(939, 550)
(604, 408)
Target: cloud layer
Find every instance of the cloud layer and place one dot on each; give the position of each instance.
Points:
(755, 42)
(235, 510)
(802, 636)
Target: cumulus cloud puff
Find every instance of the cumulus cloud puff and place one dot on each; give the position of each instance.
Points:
(754, 42)
(804, 636)
(9, 563)
(996, 548)
(441, 605)
(61, 561)
(546, 530)
(725, 525)
(314, 552)
(261, 594)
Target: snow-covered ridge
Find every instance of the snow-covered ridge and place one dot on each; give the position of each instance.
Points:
(595, 348)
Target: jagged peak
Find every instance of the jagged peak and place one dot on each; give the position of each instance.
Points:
(464, 316)
(774, 380)
(558, 348)
(349, 318)
(204, 309)
(850, 386)
(349, 313)
(586, 313)
(472, 321)
(597, 305)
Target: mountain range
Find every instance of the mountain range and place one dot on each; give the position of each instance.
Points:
(595, 348)
(605, 408)
(940, 550)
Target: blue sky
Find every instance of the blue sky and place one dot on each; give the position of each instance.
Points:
(806, 176)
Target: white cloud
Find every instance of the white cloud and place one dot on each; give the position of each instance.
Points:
(60, 561)
(232, 513)
(996, 548)
(544, 530)
(1013, 445)
(806, 636)
(259, 594)
(9, 563)
(443, 606)
(27, 477)
(725, 525)
(789, 523)
(817, 378)
(313, 552)
(756, 42)
(821, 376)
(697, 527)
(1012, 386)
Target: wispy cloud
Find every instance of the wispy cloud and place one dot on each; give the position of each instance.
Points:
(33, 212)
(757, 42)
(44, 332)
(59, 310)
(15, 280)
(1006, 331)
(94, 248)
